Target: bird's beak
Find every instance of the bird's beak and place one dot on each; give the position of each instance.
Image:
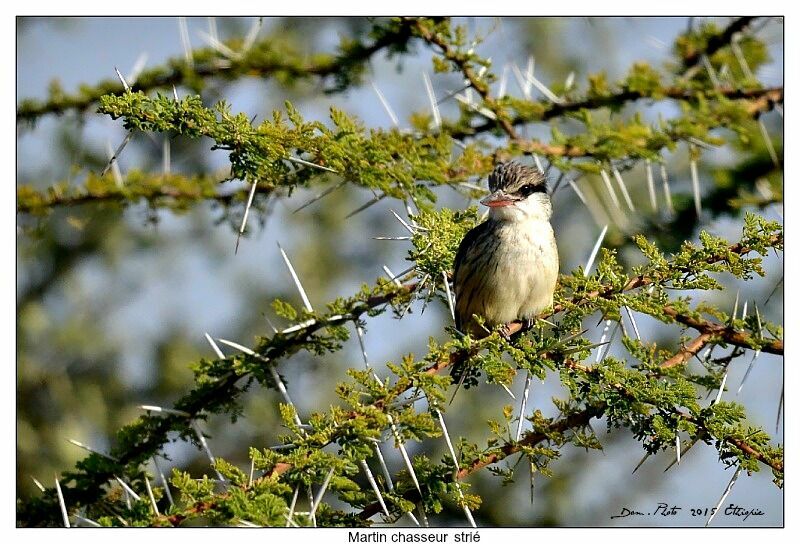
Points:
(498, 198)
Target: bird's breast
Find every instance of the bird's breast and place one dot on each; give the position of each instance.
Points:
(513, 275)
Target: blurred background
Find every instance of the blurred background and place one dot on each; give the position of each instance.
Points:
(113, 304)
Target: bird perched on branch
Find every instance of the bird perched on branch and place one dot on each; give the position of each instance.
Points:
(506, 267)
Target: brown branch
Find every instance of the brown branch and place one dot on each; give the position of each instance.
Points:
(179, 73)
(723, 332)
(717, 42)
(50, 201)
(687, 351)
(758, 101)
(462, 62)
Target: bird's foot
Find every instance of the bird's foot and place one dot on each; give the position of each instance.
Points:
(529, 323)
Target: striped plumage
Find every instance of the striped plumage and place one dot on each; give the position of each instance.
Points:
(506, 267)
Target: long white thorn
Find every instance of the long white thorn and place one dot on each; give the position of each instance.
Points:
(38, 484)
(385, 469)
(310, 164)
(449, 295)
(321, 492)
(292, 505)
(385, 104)
(545, 90)
(529, 71)
(768, 143)
(651, 188)
(698, 205)
(455, 464)
(113, 159)
(91, 450)
(275, 376)
(215, 347)
(737, 52)
(252, 34)
(62, 504)
(646, 456)
(122, 80)
(623, 188)
(360, 334)
(667, 191)
(133, 494)
(374, 485)
(681, 453)
(523, 84)
(312, 515)
(152, 497)
(437, 120)
(712, 75)
(204, 444)
(538, 163)
(403, 222)
(501, 91)
(366, 205)
(489, 114)
(602, 340)
(160, 409)
(523, 404)
(297, 283)
(218, 46)
(595, 250)
(163, 481)
(115, 170)
(607, 347)
(404, 454)
(609, 188)
(633, 322)
(300, 326)
(324, 193)
(569, 82)
(735, 308)
(166, 166)
(187, 46)
(392, 276)
(246, 213)
(725, 493)
(721, 386)
(755, 355)
(422, 515)
(577, 191)
(212, 27)
(87, 521)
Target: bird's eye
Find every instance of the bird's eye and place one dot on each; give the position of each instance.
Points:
(529, 189)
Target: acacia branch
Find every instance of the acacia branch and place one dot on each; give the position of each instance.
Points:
(462, 62)
(178, 72)
(715, 43)
(757, 101)
(156, 432)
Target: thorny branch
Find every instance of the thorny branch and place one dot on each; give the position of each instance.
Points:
(717, 42)
(178, 72)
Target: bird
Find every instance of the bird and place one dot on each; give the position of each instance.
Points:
(506, 267)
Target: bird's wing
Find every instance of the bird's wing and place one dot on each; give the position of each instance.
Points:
(469, 241)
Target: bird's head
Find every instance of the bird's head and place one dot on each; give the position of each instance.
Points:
(518, 193)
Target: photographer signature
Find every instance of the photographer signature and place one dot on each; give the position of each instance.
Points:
(664, 509)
